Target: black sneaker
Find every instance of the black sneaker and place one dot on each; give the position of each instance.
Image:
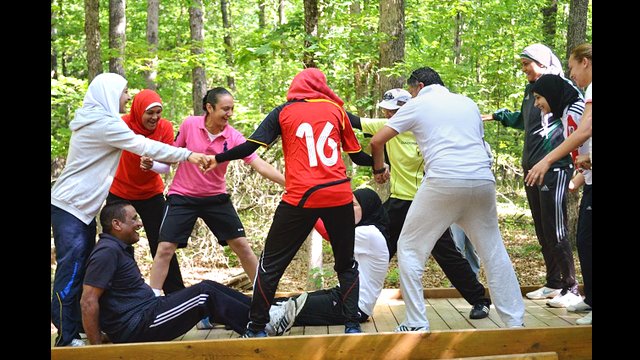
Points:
(352, 329)
(254, 334)
(479, 311)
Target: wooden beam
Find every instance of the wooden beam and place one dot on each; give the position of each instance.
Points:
(571, 342)
(549, 355)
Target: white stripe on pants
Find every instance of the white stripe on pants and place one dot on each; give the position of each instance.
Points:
(472, 205)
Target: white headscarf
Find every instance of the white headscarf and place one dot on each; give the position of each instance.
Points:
(104, 93)
(543, 56)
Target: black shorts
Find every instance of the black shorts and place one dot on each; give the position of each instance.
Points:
(181, 213)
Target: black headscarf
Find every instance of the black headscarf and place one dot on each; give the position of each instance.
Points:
(558, 92)
(372, 211)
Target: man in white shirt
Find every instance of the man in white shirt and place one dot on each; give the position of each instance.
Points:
(458, 187)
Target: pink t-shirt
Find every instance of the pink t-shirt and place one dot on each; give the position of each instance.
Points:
(189, 180)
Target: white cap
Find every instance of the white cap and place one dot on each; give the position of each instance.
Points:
(391, 98)
(153, 104)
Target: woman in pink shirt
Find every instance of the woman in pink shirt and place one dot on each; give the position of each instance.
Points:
(193, 194)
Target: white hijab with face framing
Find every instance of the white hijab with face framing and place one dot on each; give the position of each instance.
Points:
(543, 56)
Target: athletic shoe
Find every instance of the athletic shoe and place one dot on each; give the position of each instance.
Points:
(281, 318)
(352, 329)
(77, 342)
(586, 320)
(254, 334)
(204, 324)
(404, 328)
(300, 301)
(564, 300)
(479, 311)
(581, 306)
(543, 293)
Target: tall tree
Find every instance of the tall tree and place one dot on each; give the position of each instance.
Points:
(281, 15)
(196, 24)
(153, 9)
(577, 28)
(457, 41)
(361, 68)
(228, 46)
(391, 27)
(54, 53)
(576, 34)
(311, 31)
(117, 35)
(92, 35)
(549, 13)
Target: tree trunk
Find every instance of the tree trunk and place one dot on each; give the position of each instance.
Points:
(281, 15)
(361, 70)
(573, 209)
(196, 24)
(549, 13)
(228, 46)
(315, 280)
(54, 52)
(577, 28)
(311, 31)
(117, 35)
(92, 34)
(457, 41)
(153, 8)
(262, 17)
(391, 26)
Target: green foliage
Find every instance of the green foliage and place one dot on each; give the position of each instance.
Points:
(231, 256)
(393, 278)
(320, 278)
(492, 33)
(66, 96)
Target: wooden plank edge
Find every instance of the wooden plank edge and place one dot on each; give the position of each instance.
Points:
(571, 342)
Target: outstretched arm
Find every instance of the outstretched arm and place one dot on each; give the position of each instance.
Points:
(267, 170)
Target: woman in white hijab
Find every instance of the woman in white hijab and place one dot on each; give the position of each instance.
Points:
(98, 137)
(547, 200)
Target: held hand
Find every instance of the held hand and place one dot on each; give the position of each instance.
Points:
(212, 163)
(380, 178)
(487, 117)
(146, 163)
(387, 174)
(583, 162)
(199, 159)
(536, 174)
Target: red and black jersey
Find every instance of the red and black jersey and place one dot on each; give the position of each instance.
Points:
(313, 133)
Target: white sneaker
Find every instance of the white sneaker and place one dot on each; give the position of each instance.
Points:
(543, 293)
(405, 328)
(300, 301)
(586, 320)
(581, 306)
(563, 301)
(77, 342)
(281, 318)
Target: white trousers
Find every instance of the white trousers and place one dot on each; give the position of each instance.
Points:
(472, 205)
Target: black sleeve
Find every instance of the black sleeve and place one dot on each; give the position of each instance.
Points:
(354, 120)
(238, 152)
(361, 158)
(269, 129)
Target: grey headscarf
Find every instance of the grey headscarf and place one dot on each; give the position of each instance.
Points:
(543, 56)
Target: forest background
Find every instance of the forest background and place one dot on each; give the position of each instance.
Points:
(181, 48)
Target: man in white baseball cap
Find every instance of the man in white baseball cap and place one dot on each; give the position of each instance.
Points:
(393, 99)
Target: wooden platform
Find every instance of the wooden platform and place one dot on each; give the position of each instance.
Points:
(452, 335)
